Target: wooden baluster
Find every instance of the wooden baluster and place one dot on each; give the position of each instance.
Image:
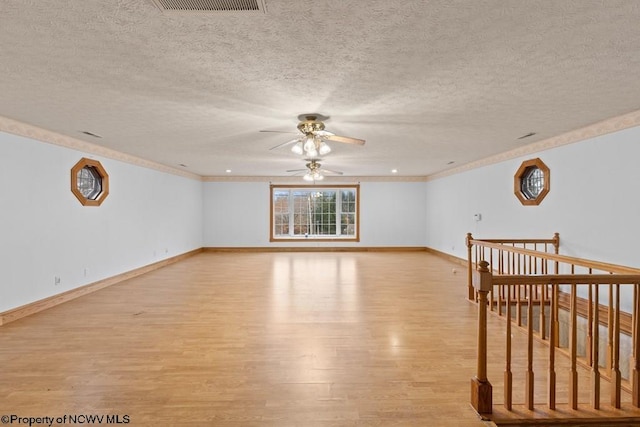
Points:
(508, 376)
(545, 297)
(481, 389)
(501, 287)
(573, 373)
(497, 291)
(615, 356)
(595, 366)
(478, 259)
(471, 293)
(518, 305)
(491, 292)
(589, 340)
(501, 256)
(556, 306)
(490, 297)
(519, 296)
(551, 391)
(510, 271)
(529, 375)
(635, 371)
(542, 323)
(555, 324)
(556, 245)
(491, 266)
(513, 264)
(610, 332)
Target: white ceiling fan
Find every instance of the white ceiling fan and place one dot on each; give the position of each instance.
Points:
(314, 171)
(312, 141)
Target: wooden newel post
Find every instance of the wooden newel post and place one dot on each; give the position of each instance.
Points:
(472, 294)
(481, 390)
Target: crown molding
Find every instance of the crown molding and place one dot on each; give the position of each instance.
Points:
(326, 180)
(604, 127)
(33, 132)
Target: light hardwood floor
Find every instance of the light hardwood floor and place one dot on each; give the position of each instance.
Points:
(258, 339)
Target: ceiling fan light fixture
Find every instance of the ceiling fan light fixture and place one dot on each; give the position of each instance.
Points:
(324, 149)
(297, 148)
(313, 175)
(310, 146)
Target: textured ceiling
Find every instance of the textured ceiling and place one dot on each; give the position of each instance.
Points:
(424, 82)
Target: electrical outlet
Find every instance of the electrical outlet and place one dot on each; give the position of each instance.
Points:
(56, 280)
(166, 250)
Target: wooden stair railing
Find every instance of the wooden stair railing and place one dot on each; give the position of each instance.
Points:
(501, 255)
(523, 278)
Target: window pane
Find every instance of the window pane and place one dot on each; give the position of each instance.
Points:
(89, 182)
(347, 224)
(532, 182)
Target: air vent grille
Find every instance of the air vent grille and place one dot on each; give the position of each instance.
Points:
(210, 5)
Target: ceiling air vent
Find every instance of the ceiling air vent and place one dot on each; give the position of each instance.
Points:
(211, 5)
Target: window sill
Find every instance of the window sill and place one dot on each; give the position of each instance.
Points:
(315, 239)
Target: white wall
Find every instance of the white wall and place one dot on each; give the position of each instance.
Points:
(594, 202)
(236, 214)
(45, 232)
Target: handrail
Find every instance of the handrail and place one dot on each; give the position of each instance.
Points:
(566, 279)
(596, 265)
(470, 241)
(523, 278)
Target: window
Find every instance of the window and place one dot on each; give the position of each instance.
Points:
(531, 182)
(89, 182)
(321, 212)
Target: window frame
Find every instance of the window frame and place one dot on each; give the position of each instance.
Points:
(315, 238)
(523, 173)
(104, 182)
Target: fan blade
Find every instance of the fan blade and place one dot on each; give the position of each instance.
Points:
(323, 133)
(345, 139)
(293, 141)
(297, 170)
(278, 131)
(330, 171)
